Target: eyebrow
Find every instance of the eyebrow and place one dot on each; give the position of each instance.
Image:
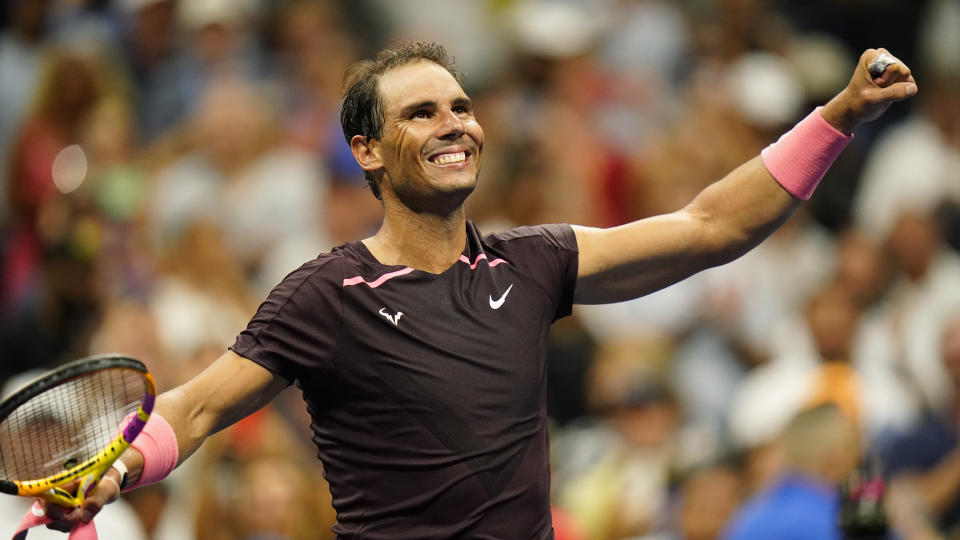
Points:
(463, 100)
(431, 105)
(428, 104)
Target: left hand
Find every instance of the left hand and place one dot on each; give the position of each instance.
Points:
(865, 98)
(65, 519)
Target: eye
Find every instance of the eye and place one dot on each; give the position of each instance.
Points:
(460, 109)
(421, 114)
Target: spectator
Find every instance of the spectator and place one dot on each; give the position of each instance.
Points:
(926, 460)
(263, 194)
(620, 488)
(707, 499)
(821, 447)
(827, 363)
(902, 332)
(21, 46)
(155, 65)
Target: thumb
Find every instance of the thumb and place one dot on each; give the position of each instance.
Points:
(896, 91)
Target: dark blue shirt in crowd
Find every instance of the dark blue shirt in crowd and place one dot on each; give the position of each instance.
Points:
(920, 450)
(795, 507)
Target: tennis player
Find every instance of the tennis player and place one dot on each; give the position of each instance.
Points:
(421, 350)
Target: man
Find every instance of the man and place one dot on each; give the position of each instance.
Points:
(924, 462)
(421, 350)
(821, 447)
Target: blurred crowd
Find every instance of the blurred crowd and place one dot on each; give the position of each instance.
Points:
(164, 163)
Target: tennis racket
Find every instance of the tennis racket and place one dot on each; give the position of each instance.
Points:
(59, 434)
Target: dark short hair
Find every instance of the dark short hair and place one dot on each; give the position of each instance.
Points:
(362, 110)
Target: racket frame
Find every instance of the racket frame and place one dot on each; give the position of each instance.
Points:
(90, 471)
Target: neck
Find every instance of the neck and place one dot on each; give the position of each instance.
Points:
(423, 241)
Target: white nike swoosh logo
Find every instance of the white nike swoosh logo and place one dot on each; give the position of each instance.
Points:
(495, 304)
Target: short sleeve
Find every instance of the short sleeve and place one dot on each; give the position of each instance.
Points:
(548, 253)
(295, 330)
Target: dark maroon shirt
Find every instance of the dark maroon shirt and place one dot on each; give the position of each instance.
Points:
(426, 391)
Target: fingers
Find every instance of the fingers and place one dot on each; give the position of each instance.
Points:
(886, 69)
(895, 82)
(879, 80)
(896, 91)
(105, 493)
(879, 64)
(64, 519)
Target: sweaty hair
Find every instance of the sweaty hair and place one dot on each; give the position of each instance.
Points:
(362, 111)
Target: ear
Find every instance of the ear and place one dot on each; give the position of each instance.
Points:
(367, 152)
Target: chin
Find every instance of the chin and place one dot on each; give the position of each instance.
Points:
(464, 181)
(456, 194)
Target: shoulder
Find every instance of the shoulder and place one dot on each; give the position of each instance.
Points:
(324, 265)
(320, 276)
(556, 235)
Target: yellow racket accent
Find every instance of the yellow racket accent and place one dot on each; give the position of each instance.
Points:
(88, 473)
(101, 388)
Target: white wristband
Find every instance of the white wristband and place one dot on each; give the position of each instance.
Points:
(122, 469)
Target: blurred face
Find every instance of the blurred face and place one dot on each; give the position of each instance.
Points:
(833, 320)
(429, 150)
(914, 243)
(951, 349)
(709, 499)
(860, 268)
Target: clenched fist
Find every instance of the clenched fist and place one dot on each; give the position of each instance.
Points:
(866, 96)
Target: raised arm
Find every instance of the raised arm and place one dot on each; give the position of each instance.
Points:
(730, 216)
(225, 392)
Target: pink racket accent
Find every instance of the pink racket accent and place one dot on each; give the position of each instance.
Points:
(36, 517)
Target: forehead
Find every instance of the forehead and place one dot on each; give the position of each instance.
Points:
(417, 82)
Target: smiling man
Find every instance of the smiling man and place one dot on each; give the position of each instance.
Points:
(421, 351)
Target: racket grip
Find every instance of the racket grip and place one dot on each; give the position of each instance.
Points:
(36, 517)
(83, 531)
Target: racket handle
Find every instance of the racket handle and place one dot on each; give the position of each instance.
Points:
(83, 531)
(36, 517)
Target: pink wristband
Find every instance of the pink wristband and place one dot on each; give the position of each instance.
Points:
(158, 445)
(800, 158)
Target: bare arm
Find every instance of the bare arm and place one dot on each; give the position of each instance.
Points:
(726, 219)
(938, 487)
(227, 391)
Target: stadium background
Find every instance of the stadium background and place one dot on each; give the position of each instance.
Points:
(163, 163)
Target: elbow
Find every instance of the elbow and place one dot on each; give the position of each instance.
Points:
(725, 242)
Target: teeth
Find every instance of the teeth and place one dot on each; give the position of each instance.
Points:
(444, 159)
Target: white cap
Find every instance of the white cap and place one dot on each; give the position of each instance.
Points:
(196, 14)
(765, 89)
(554, 29)
(131, 6)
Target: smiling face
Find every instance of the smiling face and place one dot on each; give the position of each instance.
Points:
(428, 155)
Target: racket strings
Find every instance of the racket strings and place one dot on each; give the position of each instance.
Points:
(67, 424)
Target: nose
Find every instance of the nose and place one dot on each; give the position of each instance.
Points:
(451, 126)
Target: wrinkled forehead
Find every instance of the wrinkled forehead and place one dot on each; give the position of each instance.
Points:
(417, 82)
